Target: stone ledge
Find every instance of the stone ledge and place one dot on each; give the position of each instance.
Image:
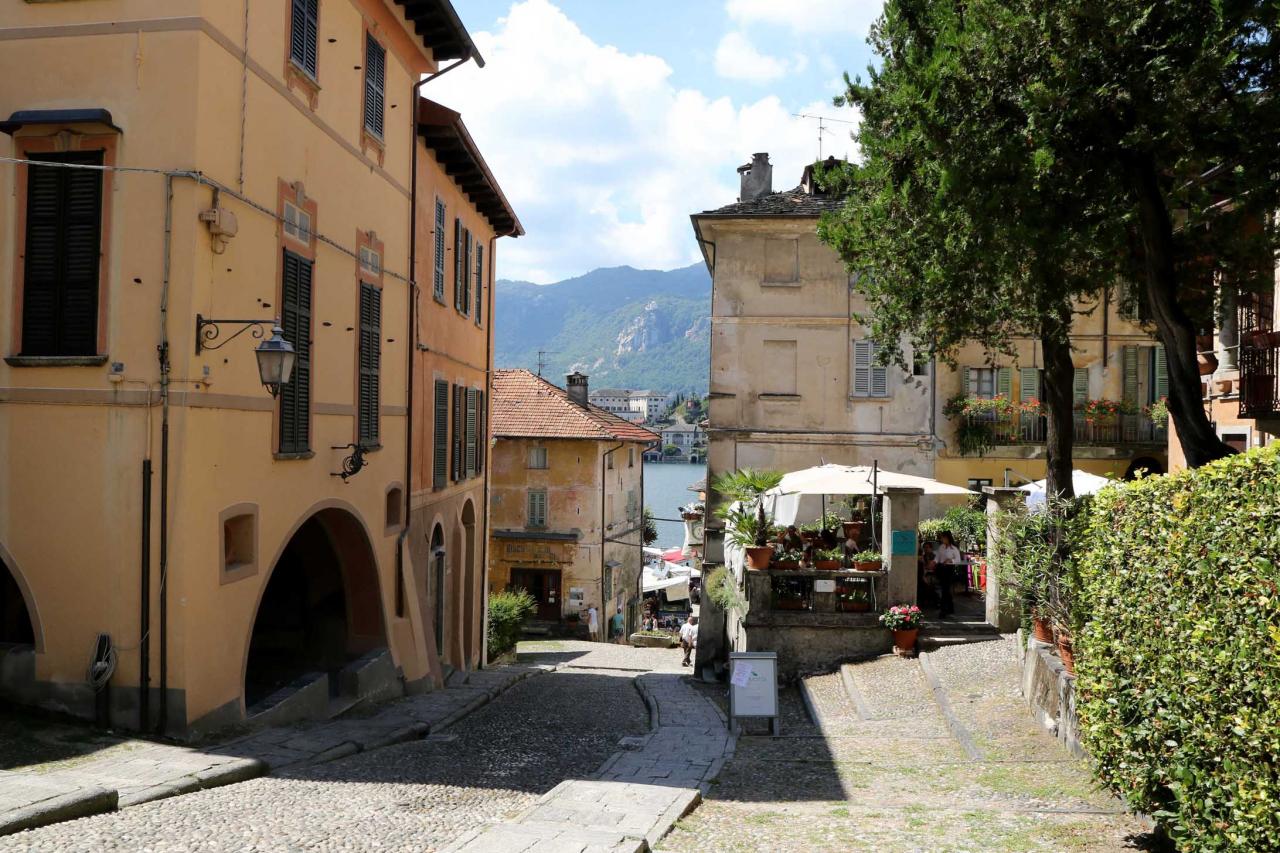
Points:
(1050, 692)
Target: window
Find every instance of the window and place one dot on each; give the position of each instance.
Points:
(481, 424)
(464, 302)
(479, 281)
(295, 320)
(631, 457)
(869, 379)
(375, 84)
(440, 437)
(986, 382)
(439, 241)
(1080, 386)
(537, 508)
(976, 483)
(459, 428)
(395, 508)
(1029, 384)
(369, 358)
(239, 542)
(297, 223)
(781, 261)
(538, 457)
(370, 261)
(473, 405)
(304, 35)
(779, 367)
(62, 258)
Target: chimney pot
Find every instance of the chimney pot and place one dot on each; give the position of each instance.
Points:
(576, 385)
(756, 178)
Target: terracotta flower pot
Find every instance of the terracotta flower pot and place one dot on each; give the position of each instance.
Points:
(786, 565)
(1066, 652)
(826, 565)
(758, 558)
(1223, 386)
(1042, 631)
(868, 565)
(1208, 363)
(904, 641)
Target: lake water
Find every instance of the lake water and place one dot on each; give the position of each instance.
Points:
(666, 489)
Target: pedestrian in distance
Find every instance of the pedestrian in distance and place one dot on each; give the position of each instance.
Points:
(593, 623)
(616, 626)
(688, 639)
(946, 560)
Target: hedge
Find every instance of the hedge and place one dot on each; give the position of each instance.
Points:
(507, 614)
(1178, 658)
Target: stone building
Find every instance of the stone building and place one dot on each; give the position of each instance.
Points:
(163, 510)
(566, 498)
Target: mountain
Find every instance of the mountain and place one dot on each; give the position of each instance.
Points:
(623, 327)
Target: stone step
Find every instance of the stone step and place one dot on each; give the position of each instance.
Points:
(339, 705)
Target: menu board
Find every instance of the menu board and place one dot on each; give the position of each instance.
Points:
(753, 684)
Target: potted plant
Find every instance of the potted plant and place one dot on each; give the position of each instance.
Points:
(904, 621)
(747, 523)
(868, 561)
(1066, 651)
(1158, 412)
(789, 599)
(828, 558)
(788, 559)
(744, 529)
(853, 598)
(1041, 626)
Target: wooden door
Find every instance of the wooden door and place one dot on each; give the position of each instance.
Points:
(544, 586)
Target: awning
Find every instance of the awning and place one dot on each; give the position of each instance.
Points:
(91, 115)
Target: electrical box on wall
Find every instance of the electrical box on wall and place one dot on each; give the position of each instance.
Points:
(222, 226)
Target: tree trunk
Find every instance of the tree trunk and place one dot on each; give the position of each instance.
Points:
(1200, 444)
(1059, 379)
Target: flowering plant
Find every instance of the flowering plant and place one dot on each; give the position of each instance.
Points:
(1158, 412)
(962, 406)
(1104, 410)
(1031, 406)
(903, 617)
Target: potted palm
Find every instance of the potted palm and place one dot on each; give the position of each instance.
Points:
(868, 561)
(748, 524)
(904, 621)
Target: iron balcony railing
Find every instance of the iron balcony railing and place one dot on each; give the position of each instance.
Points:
(1024, 428)
(1259, 381)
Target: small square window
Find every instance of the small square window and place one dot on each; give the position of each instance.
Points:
(538, 457)
(297, 223)
(239, 542)
(370, 261)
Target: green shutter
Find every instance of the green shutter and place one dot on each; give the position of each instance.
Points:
(295, 321)
(1004, 382)
(1162, 373)
(479, 282)
(369, 360)
(459, 427)
(1080, 386)
(1130, 374)
(1028, 384)
(459, 271)
(440, 437)
(964, 381)
(472, 406)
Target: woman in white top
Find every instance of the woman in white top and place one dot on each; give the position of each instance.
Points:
(946, 560)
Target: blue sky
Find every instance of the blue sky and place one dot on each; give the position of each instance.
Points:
(607, 122)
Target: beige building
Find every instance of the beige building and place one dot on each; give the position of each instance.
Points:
(208, 160)
(566, 499)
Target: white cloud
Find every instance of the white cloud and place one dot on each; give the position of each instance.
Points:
(602, 157)
(738, 59)
(807, 16)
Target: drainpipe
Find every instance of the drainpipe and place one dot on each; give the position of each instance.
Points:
(412, 337)
(163, 354)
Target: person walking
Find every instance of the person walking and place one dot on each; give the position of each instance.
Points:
(688, 639)
(616, 626)
(945, 562)
(593, 623)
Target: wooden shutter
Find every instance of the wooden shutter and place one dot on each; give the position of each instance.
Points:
(472, 414)
(369, 363)
(1080, 387)
(459, 426)
(62, 257)
(295, 320)
(304, 34)
(482, 428)
(479, 281)
(965, 381)
(375, 83)
(467, 240)
(1130, 361)
(439, 241)
(862, 351)
(459, 271)
(879, 376)
(1028, 384)
(537, 509)
(440, 437)
(1161, 383)
(1004, 382)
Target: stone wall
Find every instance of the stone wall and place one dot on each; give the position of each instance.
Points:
(1050, 691)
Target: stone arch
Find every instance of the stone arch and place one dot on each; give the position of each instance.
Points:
(470, 574)
(435, 587)
(320, 606)
(19, 618)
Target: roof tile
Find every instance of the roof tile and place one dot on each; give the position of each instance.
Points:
(528, 406)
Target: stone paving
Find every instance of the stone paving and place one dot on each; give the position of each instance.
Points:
(127, 773)
(418, 795)
(937, 754)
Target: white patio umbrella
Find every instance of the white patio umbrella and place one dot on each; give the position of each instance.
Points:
(831, 479)
(1082, 483)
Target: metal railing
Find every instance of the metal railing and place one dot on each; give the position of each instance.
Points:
(1259, 382)
(1025, 428)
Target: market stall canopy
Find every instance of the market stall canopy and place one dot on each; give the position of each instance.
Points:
(1082, 482)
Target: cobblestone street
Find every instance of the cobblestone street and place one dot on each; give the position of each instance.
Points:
(419, 795)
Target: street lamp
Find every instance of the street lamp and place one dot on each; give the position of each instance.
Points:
(275, 355)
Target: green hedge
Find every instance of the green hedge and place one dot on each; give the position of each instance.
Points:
(1179, 657)
(507, 613)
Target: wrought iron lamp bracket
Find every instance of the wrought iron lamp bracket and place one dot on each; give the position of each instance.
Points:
(208, 330)
(352, 464)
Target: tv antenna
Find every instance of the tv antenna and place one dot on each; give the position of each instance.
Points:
(542, 358)
(822, 128)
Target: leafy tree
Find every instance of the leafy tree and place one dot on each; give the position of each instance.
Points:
(1154, 125)
(650, 527)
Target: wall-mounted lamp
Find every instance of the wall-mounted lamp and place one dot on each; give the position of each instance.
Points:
(275, 354)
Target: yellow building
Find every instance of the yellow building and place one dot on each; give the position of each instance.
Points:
(566, 499)
(208, 159)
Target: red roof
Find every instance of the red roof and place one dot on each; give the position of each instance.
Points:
(528, 406)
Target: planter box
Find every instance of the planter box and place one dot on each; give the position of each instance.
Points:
(790, 604)
(646, 642)
(826, 565)
(868, 566)
(853, 606)
(785, 565)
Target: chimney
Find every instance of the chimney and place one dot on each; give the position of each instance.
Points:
(757, 178)
(577, 386)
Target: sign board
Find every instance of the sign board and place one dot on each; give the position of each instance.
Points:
(904, 543)
(753, 686)
(824, 585)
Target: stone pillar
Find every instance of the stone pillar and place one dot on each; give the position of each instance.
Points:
(901, 517)
(1004, 615)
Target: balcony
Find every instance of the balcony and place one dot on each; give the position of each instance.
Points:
(1259, 382)
(1021, 428)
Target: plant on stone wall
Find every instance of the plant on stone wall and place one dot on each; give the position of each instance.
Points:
(507, 614)
(722, 588)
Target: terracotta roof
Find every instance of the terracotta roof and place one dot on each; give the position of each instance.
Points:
(528, 406)
(444, 133)
(794, 202)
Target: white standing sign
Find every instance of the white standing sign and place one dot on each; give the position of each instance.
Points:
(753, 686)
